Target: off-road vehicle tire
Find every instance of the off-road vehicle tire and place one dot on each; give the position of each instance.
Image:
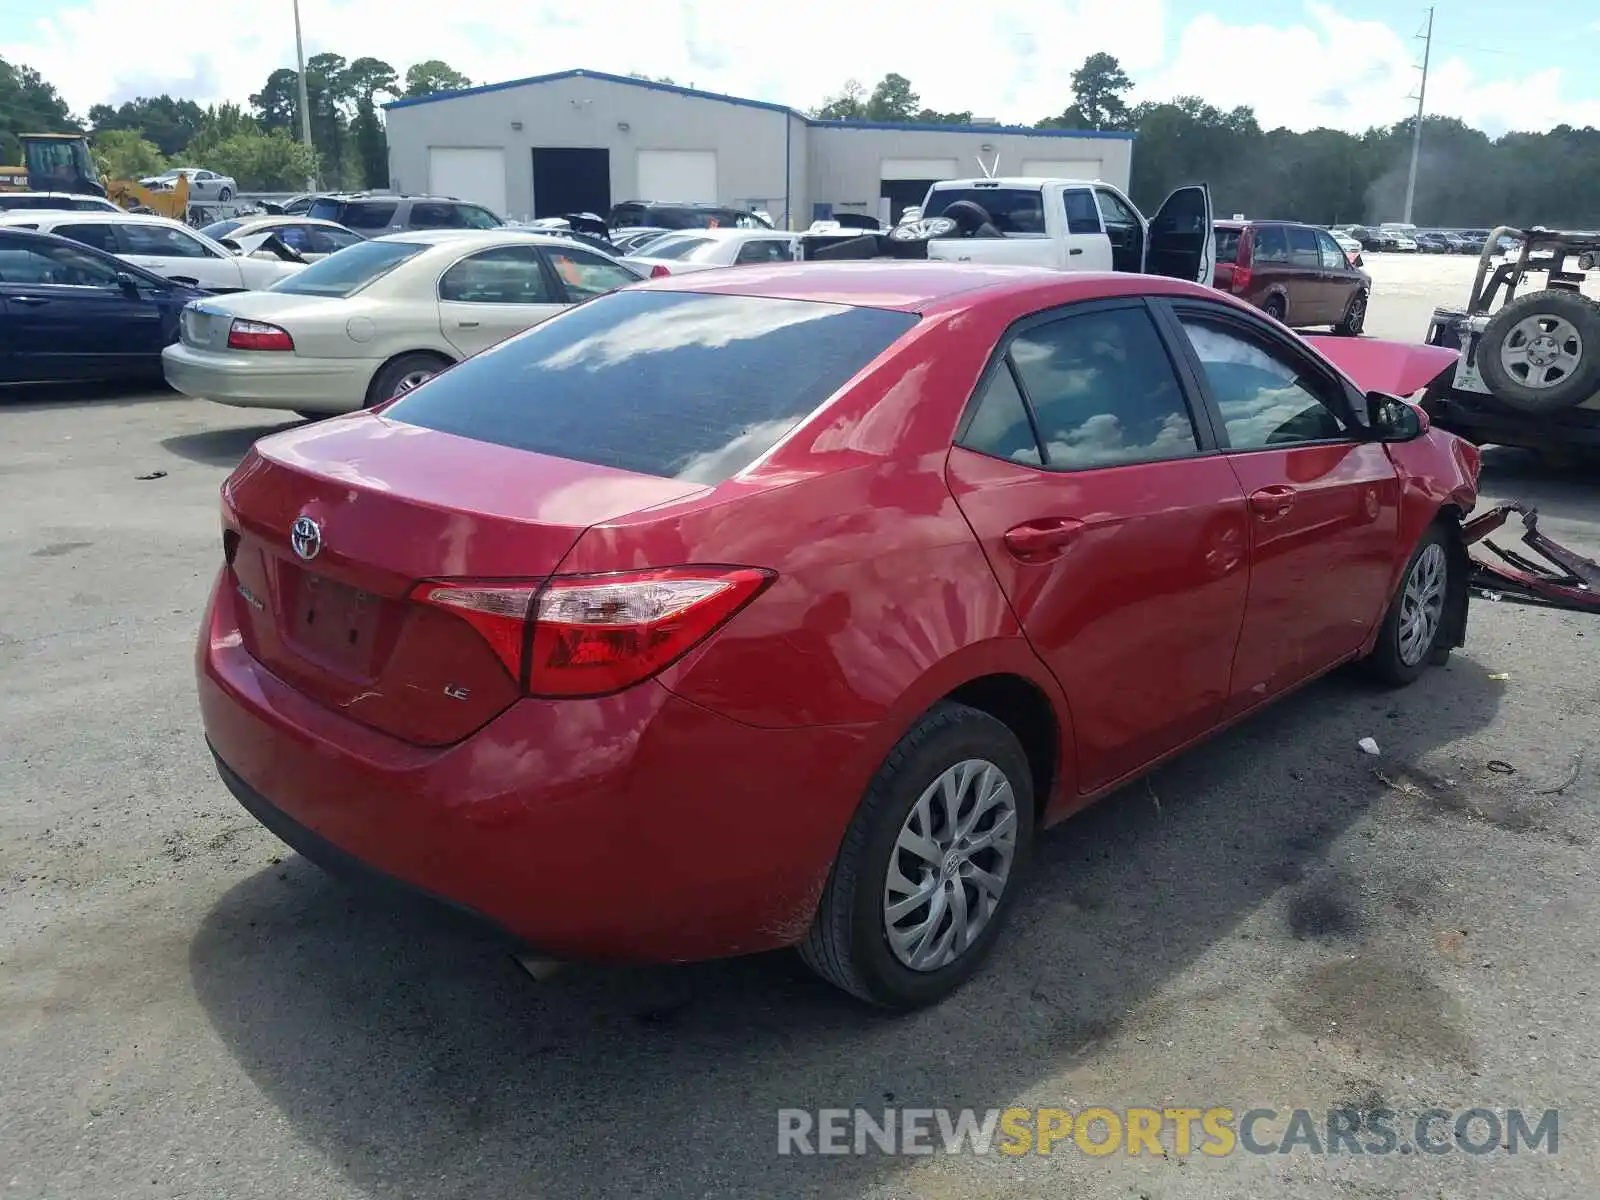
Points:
(1565, 322)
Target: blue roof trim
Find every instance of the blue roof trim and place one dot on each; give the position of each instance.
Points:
(1023, 130)
(604, 77)
(767, 105)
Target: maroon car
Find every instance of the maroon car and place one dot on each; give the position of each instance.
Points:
(1294, 273)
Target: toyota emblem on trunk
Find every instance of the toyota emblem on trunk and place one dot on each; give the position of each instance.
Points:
(306, 537)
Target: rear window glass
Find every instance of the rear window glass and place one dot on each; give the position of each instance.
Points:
(349, 270)
(674, 384)
(218, 230)
(353, 214)
(677, 247)
(1228, 245)
(1011, 210)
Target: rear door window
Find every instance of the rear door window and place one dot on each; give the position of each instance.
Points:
(361, 215)
(1228, 245)
(1270, 245)
(434, 216)
(504, 275)
(680, 385)
(160, 241)
(1303, 250)
(1103, 390)
(101, 237)
(1082, 215)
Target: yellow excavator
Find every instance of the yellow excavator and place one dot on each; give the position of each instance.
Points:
(61, 162)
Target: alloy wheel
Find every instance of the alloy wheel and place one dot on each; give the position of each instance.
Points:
(1422, 605)
(950, 865)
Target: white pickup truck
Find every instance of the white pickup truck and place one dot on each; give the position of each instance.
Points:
(1062, 224)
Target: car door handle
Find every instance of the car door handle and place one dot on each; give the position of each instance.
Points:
(1076, 250)
(1270, 503)
(31, 301)
(1041, 538)
(466, 324)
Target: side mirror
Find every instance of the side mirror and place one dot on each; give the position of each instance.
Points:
(1394, 420)
(230, 244)
(128, 284)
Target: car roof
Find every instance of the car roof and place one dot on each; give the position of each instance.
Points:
(478, 237)
(285, 219)
(736, 235)
(1014, 181)
(91, 217)
(921, 286)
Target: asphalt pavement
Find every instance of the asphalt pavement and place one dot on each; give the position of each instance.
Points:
(1276, 920)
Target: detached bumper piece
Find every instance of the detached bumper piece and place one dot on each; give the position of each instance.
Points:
(1564, 580)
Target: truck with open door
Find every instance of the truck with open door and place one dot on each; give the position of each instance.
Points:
(1059, 224)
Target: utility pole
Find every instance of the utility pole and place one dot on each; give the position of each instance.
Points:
(1416, 133)
(305, 104)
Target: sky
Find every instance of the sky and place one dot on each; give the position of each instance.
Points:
(1301, 63)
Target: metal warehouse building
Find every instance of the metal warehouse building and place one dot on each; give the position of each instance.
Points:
(581, 141)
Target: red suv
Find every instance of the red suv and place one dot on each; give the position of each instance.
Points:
(1296, 274)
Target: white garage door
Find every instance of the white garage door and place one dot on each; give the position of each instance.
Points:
(678, 176)
(478, 175)
(918, 168)
(1061, 168)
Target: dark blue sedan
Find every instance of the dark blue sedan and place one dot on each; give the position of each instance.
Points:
(70, 312)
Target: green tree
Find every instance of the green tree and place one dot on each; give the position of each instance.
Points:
(171, 124)
(433, 76)
(849, 105)
(277, 104)
(893, 100)
(124, 154)
(367, 78)
(263, 162)
(28, 104)
(1098, 90)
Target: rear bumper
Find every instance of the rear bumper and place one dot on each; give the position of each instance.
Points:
(283, 381)
(636, 827)
(1479, 419)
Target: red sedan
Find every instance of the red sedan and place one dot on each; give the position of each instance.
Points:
(784, 606)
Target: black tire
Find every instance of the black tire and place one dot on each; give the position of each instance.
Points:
(310, 416)
(224, 195)
(1275, 308)
(1355, 317)
(848, 943)
(1389, 661)
(1579, 315)
(387, 382)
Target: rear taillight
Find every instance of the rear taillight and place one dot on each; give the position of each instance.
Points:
(257, 335)
(659, 272)
(588, 635)
(1241, 263)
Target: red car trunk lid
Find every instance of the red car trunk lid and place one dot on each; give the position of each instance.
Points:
(379, 507)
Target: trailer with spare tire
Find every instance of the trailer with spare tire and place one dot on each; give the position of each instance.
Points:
(1529, 368)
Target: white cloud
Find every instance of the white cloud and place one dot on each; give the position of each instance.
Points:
(1329, 70)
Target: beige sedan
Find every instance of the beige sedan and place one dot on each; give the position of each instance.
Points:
(377, 318)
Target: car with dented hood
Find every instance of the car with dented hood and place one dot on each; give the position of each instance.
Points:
(785, 605)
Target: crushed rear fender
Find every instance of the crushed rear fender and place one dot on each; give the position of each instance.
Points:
(1563, 580)
(1398, 368)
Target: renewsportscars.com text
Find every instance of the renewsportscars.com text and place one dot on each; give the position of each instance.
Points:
(1215, 1132)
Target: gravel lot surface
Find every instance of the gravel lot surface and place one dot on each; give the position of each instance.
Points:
(1275, 920)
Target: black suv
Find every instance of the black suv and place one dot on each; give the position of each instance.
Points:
(373, 215)
(637, 214)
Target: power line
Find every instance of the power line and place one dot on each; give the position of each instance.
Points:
(1416, 133)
